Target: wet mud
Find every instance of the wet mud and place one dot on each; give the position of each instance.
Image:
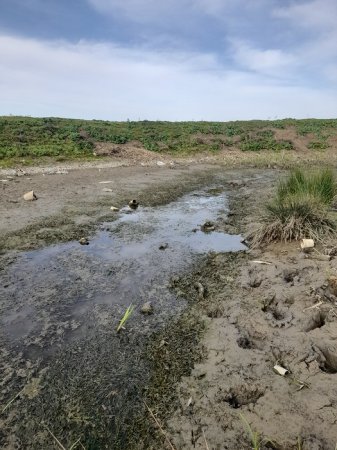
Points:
(69, 371)
(203, 362)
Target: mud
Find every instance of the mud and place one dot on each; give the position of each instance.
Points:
(68, 370)
(280, 312)
(203, 361)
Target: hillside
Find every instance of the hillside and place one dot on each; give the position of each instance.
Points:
(31, 138)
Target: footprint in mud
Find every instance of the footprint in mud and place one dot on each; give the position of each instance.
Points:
(317, 320)
(241, 395)
(327, 360)
(279, 317)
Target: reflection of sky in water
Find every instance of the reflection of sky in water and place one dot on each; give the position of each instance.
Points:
(121, 266)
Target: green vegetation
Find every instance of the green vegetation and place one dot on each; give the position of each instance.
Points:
(300, 208)
(25, 139)
(126, 316)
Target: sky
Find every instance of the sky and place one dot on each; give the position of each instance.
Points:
(169, 59)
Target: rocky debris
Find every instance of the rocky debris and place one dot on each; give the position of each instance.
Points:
(20, 173)
(133, 204)
(160, 163)
(147, 308)
(114, 208)
(208, 226)
(163, 246)
(30, 196)
(84, 241)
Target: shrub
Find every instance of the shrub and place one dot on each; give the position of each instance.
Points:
(300, 208)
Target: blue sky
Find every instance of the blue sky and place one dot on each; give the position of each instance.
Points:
(169, 60)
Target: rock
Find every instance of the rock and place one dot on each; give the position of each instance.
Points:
(84, 241)
(30, 196)
(114, 208)
(107, 190)
(160, 163)
(133, 204)
(208, 226)
(20, 173)
(147, 308)
(163, 246)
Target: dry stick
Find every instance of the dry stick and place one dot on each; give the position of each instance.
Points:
(75, 443)
(11, 401)
(159, 426)
(55, 439)
(203, 433)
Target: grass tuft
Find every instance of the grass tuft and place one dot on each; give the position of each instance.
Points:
(300, 208)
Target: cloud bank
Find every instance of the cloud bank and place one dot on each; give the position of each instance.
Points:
(186, 60)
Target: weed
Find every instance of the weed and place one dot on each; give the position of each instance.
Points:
(254, 436)
(126, 316)
(299, 209)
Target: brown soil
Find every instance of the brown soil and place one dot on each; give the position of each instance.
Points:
(261, 315)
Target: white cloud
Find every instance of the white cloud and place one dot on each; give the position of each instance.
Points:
(269, 61)
(104, 81)
(318, 14)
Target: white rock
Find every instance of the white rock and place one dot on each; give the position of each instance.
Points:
(29, 196)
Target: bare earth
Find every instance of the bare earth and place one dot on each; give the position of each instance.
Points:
(256, 314)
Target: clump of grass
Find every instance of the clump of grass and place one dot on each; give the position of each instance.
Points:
(300, 208)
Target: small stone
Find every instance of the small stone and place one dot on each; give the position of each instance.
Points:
(30, 196)
(113, 208)
(133, 204)
(84, 241)
(208, 226)
(163, 246)
(147, 308)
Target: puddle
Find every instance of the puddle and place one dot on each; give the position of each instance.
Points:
(122, 265)
(60, 307)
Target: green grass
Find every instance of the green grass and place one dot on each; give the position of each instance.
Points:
(300, 208)
(126, 316)
(28, 138)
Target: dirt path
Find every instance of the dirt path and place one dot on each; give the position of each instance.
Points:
(233, 319)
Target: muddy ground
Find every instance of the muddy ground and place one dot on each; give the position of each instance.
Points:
(202, 364)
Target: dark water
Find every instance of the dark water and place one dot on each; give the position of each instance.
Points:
(50, 291)
(59, 310)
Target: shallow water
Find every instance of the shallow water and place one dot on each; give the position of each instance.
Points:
(122, 265)
(59, 310)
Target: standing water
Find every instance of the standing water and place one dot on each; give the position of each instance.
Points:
(60, 307)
